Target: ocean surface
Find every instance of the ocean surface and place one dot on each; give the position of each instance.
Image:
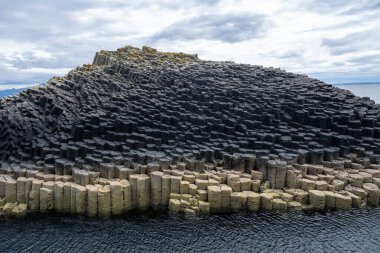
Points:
(371, 90)
(338, 231)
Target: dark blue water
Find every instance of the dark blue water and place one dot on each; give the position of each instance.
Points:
(355, 231)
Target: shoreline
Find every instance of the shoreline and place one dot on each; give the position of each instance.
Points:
(337, 185)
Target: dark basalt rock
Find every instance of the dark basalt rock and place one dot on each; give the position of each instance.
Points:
(135, 107)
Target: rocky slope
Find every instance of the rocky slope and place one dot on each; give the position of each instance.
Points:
(136, 111)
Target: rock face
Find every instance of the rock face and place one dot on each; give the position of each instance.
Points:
(192, 127)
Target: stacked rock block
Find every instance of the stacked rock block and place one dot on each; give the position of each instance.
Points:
(169, 126)
(305, 187)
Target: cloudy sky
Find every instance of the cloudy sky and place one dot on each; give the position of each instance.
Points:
(336, 41)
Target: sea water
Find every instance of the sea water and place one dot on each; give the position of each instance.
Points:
(292, 231)
(371, 90)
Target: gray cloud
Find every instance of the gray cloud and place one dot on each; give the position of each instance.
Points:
(51, 26)
(353, 42)
(227, 27)
(367, 59)
(368, 6)
(339, 46)
(330, 6)
(71, 31)
(168, 4)
(38, 20)
(288, 54)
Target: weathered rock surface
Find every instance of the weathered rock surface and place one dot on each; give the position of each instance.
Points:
(141, 129)
(135, 107)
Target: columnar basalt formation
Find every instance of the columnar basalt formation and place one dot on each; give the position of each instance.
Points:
(141, 129)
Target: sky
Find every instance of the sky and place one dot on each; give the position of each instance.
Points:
(337, 41)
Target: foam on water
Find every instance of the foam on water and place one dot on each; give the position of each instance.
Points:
(356, 231)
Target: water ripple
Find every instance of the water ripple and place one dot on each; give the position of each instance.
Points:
(355, 231)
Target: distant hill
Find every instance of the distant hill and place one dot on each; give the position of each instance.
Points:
(9, 92)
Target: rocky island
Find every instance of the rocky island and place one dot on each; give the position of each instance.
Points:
(145, 130)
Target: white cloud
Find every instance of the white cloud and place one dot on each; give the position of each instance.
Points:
(332, 40)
